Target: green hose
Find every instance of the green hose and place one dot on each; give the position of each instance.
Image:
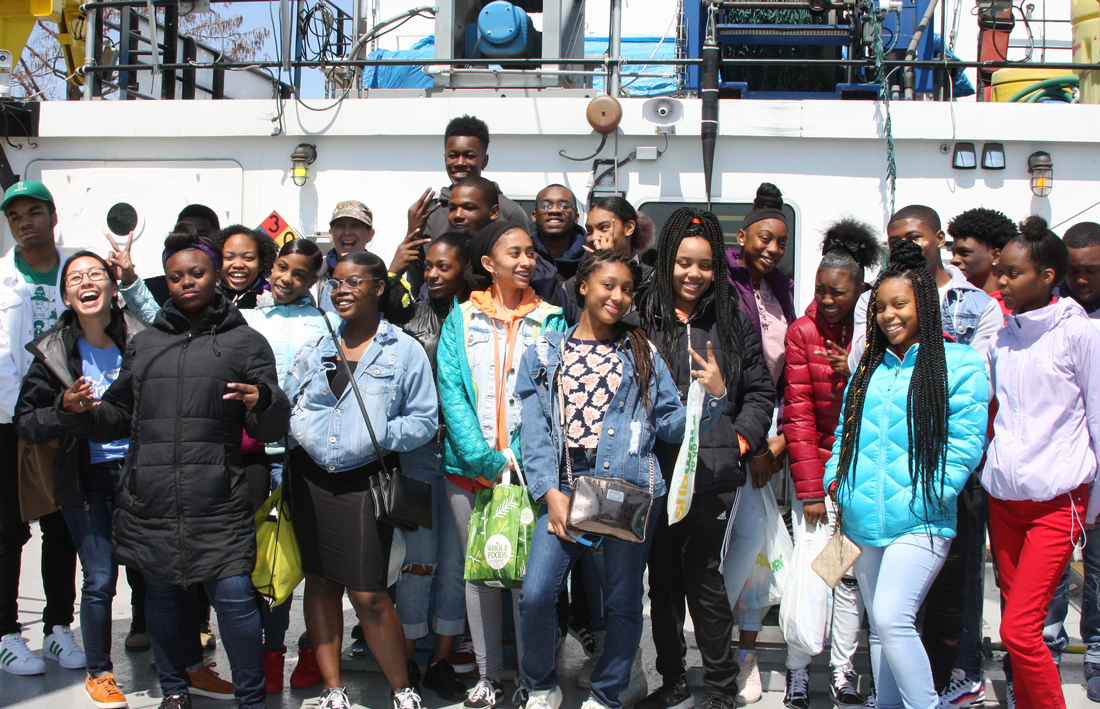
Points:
(1048, 88)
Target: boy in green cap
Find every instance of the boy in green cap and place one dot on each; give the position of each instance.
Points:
(30, 302)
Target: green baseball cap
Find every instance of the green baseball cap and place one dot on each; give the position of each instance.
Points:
(26, 188)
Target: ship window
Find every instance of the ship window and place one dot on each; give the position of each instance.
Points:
(730, 215)
(122, 218)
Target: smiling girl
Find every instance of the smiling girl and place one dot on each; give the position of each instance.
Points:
(480, 348)
(911, 432)
(87, 343)
(692, 306)
(618, 397)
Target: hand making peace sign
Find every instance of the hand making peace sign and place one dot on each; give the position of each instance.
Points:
(119, 259)
(709, 376)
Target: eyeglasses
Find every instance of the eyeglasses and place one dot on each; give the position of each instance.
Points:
(73, 278)
(546, 205)
(351, 282)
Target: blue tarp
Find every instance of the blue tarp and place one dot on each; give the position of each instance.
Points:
(659, 80)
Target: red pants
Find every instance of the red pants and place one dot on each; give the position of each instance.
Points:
(1032, 544)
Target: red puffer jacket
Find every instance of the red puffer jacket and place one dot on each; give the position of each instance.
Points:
(813, 398)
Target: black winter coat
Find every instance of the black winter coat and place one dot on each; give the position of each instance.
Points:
(183, 513)
(749, 411)
(56, 366)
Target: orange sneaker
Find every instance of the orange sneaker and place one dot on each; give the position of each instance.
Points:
(104, 693)
(205, 682)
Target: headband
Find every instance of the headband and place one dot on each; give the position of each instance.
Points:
(486, 239)
(168, 253)
(759, 215)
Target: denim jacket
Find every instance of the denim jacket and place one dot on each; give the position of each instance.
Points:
(625, 450)
(396, 382)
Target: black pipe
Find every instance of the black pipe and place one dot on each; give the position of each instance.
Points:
(709, 90)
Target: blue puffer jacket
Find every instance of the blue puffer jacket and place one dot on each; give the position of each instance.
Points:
(878, 500)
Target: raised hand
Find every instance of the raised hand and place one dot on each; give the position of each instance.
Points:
(837, 356)
(408, 252)
(247, 393)
(119, 260)
(709, 376)
(78, 398)
(421, 209)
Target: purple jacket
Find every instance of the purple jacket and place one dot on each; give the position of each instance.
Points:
(1045, 372)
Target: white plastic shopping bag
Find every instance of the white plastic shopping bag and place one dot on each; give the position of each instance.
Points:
(806, 607)
(769, 574)
(683, 475)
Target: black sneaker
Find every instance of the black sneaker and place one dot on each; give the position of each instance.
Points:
(441, 679)
(843, 688)
(414, 675)
(176, 701)
(485, 694)
(673, 694)
(719, 701)
(798, 690)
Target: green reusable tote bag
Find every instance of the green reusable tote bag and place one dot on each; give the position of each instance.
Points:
(501, 528)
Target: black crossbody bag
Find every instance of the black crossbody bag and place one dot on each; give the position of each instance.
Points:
(399, 500)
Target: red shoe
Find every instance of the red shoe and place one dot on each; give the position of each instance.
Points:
(307, 674)
(273, 671)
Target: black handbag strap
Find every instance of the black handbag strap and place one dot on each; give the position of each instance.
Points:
(355, 389)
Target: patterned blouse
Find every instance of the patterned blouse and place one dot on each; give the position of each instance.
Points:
(591, 375)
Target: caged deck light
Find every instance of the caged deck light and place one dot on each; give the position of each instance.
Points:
(1042, 173)
(302, 157)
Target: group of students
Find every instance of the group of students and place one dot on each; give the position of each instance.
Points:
(489, 344)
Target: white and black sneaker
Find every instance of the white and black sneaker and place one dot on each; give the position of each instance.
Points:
(673, 694)
(334, 698)
(486, 693)
(61, 645)
(962, 692)
(17, 659)
(407, 698)
(843, 688)
(798, 690)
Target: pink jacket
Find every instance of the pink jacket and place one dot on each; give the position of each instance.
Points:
(1045, 371)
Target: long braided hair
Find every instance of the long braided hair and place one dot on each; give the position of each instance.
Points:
(634, 338)
(927, 403)
(658, 304)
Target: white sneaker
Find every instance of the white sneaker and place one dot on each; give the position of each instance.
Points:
(61, 645)
(407, 698)
(334, 698)
(593, 703)
(544, 699)
(962, 692)
(749, 690)
(17, 659)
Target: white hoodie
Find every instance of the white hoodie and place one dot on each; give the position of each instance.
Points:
(1045, 371)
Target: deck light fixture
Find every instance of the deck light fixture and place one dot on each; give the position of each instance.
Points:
(1042, 173)
(302, 157)
(993, 156)
(964, 158)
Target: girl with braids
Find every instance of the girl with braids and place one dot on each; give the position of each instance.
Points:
(911, 432)
(690, 306)
(1041, 470)
(766, 296)
(816, 349)
(480, 347)
(619, 396)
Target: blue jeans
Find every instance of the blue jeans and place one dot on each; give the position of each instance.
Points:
(171, 616)
(548, 568)
(894, 580)
(90, 527)
(747, 537)
(436, 549)
(1054, 632)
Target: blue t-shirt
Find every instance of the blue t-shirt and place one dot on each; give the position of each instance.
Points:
(102, 367)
